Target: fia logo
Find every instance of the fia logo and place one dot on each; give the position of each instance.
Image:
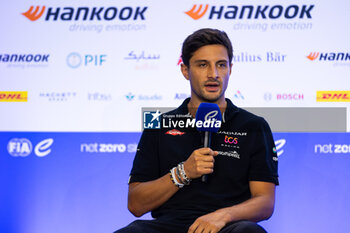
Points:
(22, 147)
(151, 119)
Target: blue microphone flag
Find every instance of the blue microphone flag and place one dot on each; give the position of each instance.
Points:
(208, 117)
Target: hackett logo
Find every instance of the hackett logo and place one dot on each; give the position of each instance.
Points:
(86, 13)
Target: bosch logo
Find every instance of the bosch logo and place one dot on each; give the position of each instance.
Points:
(267, 96)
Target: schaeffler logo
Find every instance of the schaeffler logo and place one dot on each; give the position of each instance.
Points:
(86, 13)
(336, 56)
(32, 14)
(22, 147)
(251, 11)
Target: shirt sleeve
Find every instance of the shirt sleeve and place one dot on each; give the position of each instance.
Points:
(263, 160)
(146, 161)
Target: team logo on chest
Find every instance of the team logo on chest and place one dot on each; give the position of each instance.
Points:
(175, 132)
(231, 140)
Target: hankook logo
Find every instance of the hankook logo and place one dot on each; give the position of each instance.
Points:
(86, 13)
(250, 11)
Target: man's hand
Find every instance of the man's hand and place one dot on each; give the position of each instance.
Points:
(212, 223)
(200, 162)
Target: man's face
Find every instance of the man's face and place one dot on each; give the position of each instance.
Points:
(208, 72)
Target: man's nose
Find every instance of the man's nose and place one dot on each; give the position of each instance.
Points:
(213, 72)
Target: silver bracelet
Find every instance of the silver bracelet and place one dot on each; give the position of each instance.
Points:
(173, 178)
(185, 179)
(179, 176)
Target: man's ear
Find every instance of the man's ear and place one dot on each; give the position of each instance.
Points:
(184, 70)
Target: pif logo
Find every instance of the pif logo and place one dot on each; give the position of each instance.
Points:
(13, 96)
(333, 96)
(75, 60)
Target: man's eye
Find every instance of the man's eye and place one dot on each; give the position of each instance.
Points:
(222, 65)
(202, 65)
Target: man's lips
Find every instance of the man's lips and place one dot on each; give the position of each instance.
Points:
(212, 86)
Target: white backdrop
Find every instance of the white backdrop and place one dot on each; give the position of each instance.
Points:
(129, 64)
(70, 82)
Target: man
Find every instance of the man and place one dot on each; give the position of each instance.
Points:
(241, 163)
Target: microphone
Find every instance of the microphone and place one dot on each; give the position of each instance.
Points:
(209, 115)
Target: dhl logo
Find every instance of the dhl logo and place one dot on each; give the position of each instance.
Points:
(32, 14)
(195, 13)
(333, 96)
(313, 56)
(13, 96)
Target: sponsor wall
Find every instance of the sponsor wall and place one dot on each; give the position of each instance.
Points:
(75, 75)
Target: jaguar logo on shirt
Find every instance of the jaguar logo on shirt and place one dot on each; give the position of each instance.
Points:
(229, 133)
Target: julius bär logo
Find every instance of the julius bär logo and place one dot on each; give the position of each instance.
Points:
(197, 13)
(32, 14)
(231, 140)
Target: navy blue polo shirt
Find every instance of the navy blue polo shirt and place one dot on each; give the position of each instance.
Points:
(246, 153)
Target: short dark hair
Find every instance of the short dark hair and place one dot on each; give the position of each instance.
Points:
(202, 37)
